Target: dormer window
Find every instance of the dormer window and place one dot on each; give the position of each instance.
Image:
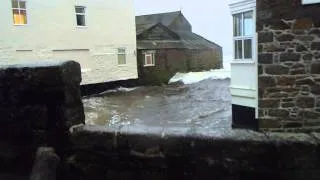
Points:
(243, 31)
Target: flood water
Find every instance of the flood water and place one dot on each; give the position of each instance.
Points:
(206, 104)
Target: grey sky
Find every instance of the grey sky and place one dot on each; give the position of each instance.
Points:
(209, 18)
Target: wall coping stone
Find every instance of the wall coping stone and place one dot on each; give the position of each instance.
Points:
(114, 136)
(41, 73)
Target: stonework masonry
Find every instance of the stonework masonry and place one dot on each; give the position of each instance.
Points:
(289, 65)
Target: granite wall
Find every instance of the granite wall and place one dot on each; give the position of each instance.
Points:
(38, 105)
(289, 65)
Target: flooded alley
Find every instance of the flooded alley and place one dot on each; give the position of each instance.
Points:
(206, 104)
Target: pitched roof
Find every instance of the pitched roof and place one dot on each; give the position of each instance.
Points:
(146, 21)
(188, 40)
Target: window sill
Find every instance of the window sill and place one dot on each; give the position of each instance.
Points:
(148, 65)
(82, 27)
(20, 25)
(122, 65)
(242, 62)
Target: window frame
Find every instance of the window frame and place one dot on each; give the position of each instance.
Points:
(122, 53)
(243, 37)
(84, 15)
(19, 10)
(152, 55)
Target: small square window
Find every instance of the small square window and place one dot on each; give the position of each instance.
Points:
(80, 15)
(149, 59)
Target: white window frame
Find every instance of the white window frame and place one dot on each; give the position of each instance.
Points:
(121, 53)
(20, 9)
(241, 7)
(84, 14)
(242, 38)
(151, 54)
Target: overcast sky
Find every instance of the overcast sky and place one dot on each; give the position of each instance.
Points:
(209, 18)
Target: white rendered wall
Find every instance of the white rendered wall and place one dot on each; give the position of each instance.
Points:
(52, 33)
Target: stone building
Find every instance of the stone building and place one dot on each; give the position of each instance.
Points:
(86, 31)
(166, 45)
(288, 65)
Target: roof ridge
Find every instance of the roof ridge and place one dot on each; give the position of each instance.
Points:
(171, 12)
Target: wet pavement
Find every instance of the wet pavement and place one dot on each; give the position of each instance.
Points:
(204, 105)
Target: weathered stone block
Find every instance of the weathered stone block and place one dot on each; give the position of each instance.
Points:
(265, 58)
(276, 70)
(309, 115)
(315, 68)
(305, 38)
(315, 31)
(266, 81)
(315, 89)
(305, 81)
(285, 37)
(279, 25)
(299, 31)
(273, 48)
(298, 71)
(282, 113)
(265, 37)
(286, 80)
(288, 105)
(292, 124)
(304, 23)
(277, 95)
(315, 46)
(301, 48)
(269, 103)
(307, 57)
(305, 102)
(284, 57)
(269, 123)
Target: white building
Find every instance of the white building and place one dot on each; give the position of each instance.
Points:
(244, 71)
(99, 34)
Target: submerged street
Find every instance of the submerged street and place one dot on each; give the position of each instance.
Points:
(204, 105)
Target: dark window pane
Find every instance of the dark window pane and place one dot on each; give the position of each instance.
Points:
(122, 50)
(248, 23)
(80, 10)
(81, 20)
(248, 49)
(22, 4)
(238, 49)
(14, 4)
(237, 25)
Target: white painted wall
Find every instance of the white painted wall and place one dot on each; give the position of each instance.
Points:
(51, 33)
(244, 74)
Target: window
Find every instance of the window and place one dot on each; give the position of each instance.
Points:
(122, 56)
(19, 10)
(81, 15)
(243, 30)
(149, 59)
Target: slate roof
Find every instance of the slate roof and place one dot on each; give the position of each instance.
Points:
(145, 21)
(187, 39)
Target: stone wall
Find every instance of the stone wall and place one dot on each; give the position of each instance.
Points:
(145, 153)
(38, 105)
(289, 65)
